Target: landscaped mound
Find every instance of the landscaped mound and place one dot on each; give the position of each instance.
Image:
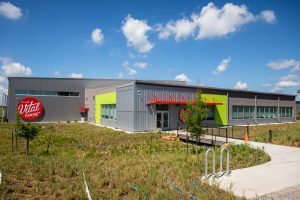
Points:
(117, 165)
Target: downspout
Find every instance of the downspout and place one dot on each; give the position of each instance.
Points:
(255, 108)
(278, 109)
(227, 108)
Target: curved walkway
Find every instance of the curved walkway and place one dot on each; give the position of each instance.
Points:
(282, 172)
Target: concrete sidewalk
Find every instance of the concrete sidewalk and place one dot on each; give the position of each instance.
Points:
(283, 171)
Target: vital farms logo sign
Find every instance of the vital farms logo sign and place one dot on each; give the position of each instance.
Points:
(30, 108)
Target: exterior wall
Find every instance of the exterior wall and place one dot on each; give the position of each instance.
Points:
(297, 107)
(91, 92)
(61, 108)
(220, 111)
(125, 107)
(145, 118)
(108, 98)
(252, 99)
(56, 108)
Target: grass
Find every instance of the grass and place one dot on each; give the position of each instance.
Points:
(117, 165)
(282, 134)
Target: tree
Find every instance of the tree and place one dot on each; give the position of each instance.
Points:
(194, 114)
(27, 131)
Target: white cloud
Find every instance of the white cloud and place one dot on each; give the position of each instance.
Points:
(11, 68)
(97, 36)
(240, 86)
(2, 79)
(140, 65)
(131, 71)
(10, 11)
(135, 32)
(182, 29)
(284, 64)
(75, 75)
(290, 80)
(56, 73)
(217, 22)
(182, 77)
(222, 66)
(276, 90)
(212, 22)
(268, 16)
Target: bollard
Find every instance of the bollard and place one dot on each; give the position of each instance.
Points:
(270, 136)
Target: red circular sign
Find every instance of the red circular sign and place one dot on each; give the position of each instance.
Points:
(183, 109)
(30, 108)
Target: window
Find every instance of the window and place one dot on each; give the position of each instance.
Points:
(21, 92)
(36, 92)
(234, 112)
(210, 112)
(286, 112)
(108, 111)
(266, 112)
(45, 93)
(50, 93)
(242, 112)
(74, 94)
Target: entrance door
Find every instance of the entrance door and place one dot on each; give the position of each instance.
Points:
(162, 120)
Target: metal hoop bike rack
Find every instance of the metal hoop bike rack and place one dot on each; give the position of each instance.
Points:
(227, 161)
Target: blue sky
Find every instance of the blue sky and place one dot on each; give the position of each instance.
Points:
(250, 45)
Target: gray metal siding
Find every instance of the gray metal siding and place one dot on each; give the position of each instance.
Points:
(58, 108)
(145, 118)
(125, 108)
(108, 122)
(262, 100)
(91, 92)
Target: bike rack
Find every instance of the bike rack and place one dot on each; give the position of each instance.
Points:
(214, 163)
(227, 161)
(206, 162)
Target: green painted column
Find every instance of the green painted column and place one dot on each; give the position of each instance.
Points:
(220, 111)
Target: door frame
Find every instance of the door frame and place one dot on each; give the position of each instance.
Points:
(162, 119)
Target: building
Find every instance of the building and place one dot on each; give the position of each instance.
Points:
(139, 105)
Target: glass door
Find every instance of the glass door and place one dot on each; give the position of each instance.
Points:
(162, 120)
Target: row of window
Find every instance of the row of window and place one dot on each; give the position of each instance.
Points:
(247, 112)
(108, 111)
(46, 93)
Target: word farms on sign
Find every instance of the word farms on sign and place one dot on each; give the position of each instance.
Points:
(30, 108)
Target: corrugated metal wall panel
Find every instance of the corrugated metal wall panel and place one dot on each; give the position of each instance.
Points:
(59, 108)
(125, 108)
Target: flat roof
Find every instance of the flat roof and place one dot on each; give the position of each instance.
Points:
(170, 83)
(204, 87)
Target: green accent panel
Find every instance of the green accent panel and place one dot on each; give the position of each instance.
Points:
(220, 110)
(107, 98)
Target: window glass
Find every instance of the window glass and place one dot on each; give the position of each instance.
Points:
(50, 93)
(36, 92)
(240, 112)
(63, 93)
(21, 92)
(74, 94)
(210, 112)
(234, 112)
(252, 112)
(246, 112)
